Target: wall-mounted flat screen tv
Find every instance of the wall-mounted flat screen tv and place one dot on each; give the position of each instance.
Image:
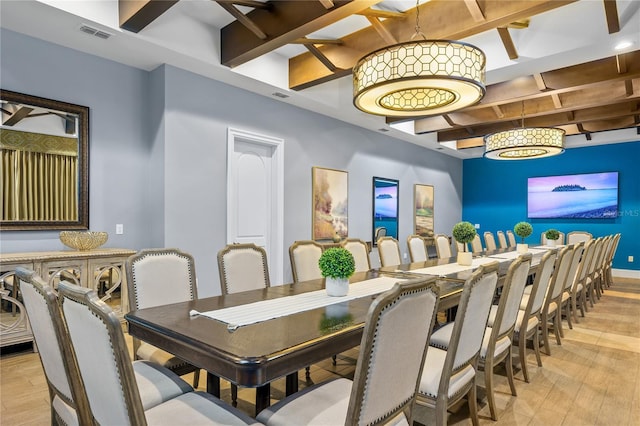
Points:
(580, 196)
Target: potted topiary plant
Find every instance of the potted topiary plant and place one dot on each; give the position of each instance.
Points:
(337, 265)
(464, 233)
(523, 230)
(552, 236)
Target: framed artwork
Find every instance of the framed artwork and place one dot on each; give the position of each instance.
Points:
(330, 203)
(385, 208)
(423, 210)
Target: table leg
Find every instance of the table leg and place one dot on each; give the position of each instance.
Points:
(213, 384)
(263, 397)
(292, 383)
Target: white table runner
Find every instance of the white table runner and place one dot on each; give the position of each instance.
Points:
(237, 316)
(511, 255)
(451, 268)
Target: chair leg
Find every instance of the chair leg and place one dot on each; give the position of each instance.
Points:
(568, 315)
(488, 384)
(557, 328)
(335, 359)
(473, 405)
(307, 373)
(545, 334)
(234, 395)
(509, 364)
(522, 354)
(196, 379)
(441, 410)
(536, 347)
(574, 307)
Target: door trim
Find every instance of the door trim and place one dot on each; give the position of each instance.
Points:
(276, 263)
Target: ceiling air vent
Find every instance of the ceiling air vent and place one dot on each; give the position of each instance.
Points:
(94, 32)
(280, 95)
(383, 129)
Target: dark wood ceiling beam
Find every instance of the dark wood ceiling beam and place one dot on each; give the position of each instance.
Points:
(305, 71)
(498, 111)
(247, 3)
(621, 63)
(557, 103)
(318, 54)
(243, 19)
(507, 42)
(134, 15)
(628, 87)
(381, 30)
(19, 115)
(583, 131)
(287, 20)
(305, 40)
(611, 13)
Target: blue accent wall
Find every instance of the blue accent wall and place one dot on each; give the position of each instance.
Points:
(495, 194)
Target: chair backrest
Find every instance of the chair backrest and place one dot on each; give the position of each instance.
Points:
(476, 244)
(572, 274)
(461, 247)
(57, 356)
(443, 246)
(417, 248)
(380, 232)
(242, 267)
(360, 252)
(304, 256)
(604, 247)
(489, 241)
(502, 240)
(158, 277)
(103, 359)
(543, 238)
(540, 284)
(585, 261)
(560, 238)
(389, 251)
(392, 352)
(511, 238)
(509, 304)
(578, 236)
(560, 274)
(471, 320)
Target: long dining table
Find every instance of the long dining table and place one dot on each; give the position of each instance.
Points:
(254, 337)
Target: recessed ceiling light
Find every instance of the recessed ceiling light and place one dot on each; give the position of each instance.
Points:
(623, 45)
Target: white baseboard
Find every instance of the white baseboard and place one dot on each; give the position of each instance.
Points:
(625, 273)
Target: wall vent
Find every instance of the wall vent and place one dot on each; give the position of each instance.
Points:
(94, 32)
(280, 95)
(383, 129)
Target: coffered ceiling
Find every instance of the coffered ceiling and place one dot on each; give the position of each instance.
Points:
(549, 62)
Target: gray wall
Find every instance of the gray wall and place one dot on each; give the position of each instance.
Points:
(158, 155)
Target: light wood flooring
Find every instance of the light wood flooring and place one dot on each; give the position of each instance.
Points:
(593, 378)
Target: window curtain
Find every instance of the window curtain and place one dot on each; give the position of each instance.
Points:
(39, 177)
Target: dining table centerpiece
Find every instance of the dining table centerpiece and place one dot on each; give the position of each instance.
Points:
(464, 233)
(337, 265)
(552, 236)
(522, 230)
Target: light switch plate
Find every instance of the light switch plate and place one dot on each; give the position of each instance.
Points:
(119, 229)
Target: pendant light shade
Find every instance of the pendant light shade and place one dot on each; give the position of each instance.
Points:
(424, 77)
(524, 143)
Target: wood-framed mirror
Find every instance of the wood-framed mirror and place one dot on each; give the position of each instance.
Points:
(44, 150)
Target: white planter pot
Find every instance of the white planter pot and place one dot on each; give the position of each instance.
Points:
(522, 248)
(336, 286)
(465, 258)
(551, 243)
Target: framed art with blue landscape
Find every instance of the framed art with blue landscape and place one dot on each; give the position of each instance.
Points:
(385, 207)
(577, 196)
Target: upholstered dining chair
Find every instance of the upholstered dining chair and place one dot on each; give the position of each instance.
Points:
(360, 252)
(443, 246)
(243, 267)
(155, 384)
(596, 277)
(528, 321)
(489, 241)
(476, 245)
(573, 295)
(450, 375)
(110, 380)
(550, 314)
(511, 239)
(417, 248)
(502, 240)
(578, 236)
(498, 335)
(389, 251)
(304, 256)
(380, 232)
(609, 264)
(160, 277)
(69, 405)
(583, 274)
(386, 379)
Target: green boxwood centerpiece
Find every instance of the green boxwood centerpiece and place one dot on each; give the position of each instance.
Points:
(523, 230)
(552, 234)
(464, 232)
(337, 262)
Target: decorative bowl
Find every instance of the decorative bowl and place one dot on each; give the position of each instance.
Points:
(83, 240)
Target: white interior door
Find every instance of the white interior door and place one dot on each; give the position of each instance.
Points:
(255, 195)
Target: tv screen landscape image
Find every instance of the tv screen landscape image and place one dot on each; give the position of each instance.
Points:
(580, 196)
